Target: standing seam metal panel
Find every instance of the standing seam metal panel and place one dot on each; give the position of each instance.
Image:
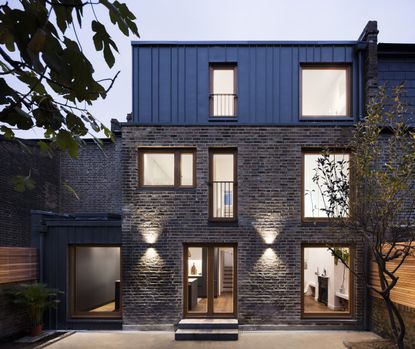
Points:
(171, 83)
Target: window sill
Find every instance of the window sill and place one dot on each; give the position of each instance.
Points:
(224, 223)
(222, 119)
(168, 189)
(326, 118)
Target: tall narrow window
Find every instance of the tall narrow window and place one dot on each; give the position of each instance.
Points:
(223, 90)
(166, 167)
(325, 91)
(223, 201)
(315, 198)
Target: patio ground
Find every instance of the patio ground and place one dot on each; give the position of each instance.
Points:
(247, 340)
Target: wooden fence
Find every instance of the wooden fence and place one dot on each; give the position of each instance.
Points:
(18, 264)
(404, 291)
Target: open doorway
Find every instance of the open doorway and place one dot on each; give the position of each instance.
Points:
(209, 281)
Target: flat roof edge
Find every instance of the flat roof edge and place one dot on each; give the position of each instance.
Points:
(240, 43)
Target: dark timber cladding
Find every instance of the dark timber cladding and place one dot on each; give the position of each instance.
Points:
(171, 79)
(54, 234)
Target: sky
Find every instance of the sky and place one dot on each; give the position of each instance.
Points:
(238, 20)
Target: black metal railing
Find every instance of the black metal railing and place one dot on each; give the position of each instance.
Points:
(223, 197)
(223, 105)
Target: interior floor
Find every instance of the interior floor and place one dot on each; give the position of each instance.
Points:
(221, 304)
(106, 307)
(312, 306)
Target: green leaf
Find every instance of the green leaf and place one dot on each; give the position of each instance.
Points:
(7, 132)
(71, 190)
(102, 40)
(22, 183)
(66, 141)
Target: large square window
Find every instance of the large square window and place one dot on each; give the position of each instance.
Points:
(95, 285)
(325, 91)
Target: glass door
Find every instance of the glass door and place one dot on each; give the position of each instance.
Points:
(209, 281)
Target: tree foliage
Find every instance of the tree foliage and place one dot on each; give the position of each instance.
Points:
(379, 193)
(46, 80)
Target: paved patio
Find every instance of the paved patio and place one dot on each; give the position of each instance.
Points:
(247, 340)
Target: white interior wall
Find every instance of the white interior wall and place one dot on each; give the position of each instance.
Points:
(317, 259)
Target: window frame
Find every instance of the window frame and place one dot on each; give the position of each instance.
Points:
(73, 312)
(319, 151)
(228, 66)
(351, 313)
(177, 166)
(234, 152)
(349, 96)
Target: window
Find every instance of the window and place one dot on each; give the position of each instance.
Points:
(325, 91)
(222, 193)
(327, 283)
(167, 168)
(95, 281)
(223, 90)
(314, 200)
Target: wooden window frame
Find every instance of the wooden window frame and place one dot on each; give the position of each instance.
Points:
(336, 316)
(319, 151)
(210, 287)
(73, 312)
(177, 166)
(234, 152)
(349, 96)
(228, 66)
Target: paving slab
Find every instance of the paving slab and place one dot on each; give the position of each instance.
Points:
(247, 340)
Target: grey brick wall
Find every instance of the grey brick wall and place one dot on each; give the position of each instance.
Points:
(269, 194)
(95, 176)
(15, 206)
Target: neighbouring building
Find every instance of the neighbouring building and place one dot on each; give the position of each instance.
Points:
(205, 206)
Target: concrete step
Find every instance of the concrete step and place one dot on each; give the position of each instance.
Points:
(213, 334)
(208, 324)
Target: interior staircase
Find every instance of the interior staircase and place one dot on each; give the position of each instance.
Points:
(207, 329)
(227, 279)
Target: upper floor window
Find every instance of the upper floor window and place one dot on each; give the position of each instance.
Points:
(165, 167)
(316, 196)
(222, 189)
(223, 90)
(325, 91)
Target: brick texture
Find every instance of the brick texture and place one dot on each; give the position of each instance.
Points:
(379, 322)
(15, 206)
(269, 202)
(95, 176)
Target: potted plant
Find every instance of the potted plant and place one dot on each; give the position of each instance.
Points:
(35, 298)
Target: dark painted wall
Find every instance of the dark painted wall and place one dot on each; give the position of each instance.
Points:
(171, 81)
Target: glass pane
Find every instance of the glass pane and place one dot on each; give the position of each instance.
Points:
(186, 169)
(326, 280)
(324, 92)
(314, 200)
(197, 278)
(223, 81)
(223, 185)
(97, 279)
(223, 280)
(223, 98)
(158, 169)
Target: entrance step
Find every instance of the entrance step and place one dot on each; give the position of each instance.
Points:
(207, 329)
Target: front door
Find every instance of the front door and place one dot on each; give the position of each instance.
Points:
(209, 280)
